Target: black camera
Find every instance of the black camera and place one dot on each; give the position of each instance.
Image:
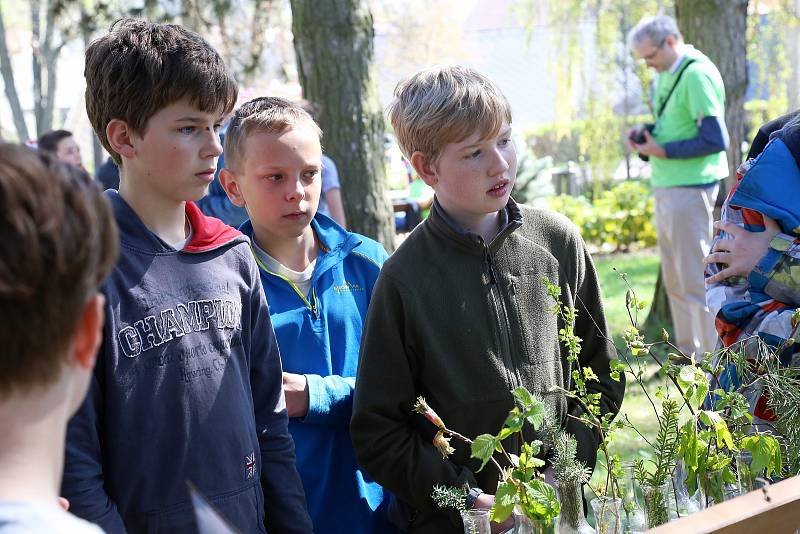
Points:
(637, 136)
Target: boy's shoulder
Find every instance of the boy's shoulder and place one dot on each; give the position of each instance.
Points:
(548, 228)
(360, 247)
(369, 250)
(208, 233)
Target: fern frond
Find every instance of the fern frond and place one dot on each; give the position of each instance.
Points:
(666, 445)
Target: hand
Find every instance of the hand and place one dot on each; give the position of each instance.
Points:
(63, 503)
(295, 388)
(649, 147)
(629, 138)
(486, 501)
(743, 252)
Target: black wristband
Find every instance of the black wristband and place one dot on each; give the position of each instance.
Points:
(472, 496)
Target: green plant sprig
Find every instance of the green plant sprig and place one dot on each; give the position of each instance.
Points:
(521, 484)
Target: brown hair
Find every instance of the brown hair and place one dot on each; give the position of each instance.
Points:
(444, 105)
(58, 242)
(140, 67)
(49, 141)
(265, 114)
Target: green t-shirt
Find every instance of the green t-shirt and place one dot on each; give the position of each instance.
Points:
(700, 93)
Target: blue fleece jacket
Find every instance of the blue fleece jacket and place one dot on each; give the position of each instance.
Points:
(187, 387)
(319, 335)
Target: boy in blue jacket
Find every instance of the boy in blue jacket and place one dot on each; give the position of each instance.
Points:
(187, 385)
(318, 279)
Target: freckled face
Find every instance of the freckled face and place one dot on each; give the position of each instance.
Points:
(474, 177)
(176, 156)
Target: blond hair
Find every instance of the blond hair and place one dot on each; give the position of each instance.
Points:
(261, 115)
(444, 105)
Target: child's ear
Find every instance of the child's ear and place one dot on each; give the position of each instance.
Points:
(88, 333)
(120, 137)
(228, 181)
(424, 168)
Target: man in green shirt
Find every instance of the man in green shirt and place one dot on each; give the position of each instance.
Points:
(687, 157)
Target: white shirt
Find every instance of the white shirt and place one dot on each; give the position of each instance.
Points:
(18, 517)
(301, 279)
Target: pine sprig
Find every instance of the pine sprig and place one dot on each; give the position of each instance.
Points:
(566, 468)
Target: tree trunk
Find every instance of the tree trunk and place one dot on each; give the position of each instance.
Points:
(10, 85)
(333, 41)
(718, 29)
(659, 315)
(36, 63)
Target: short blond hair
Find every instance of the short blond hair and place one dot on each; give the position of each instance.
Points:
(261, 115)
(444, 105)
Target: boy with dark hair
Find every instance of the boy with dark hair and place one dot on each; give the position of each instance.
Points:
(460, 313)
(57, 244)
(62, 144)
(188, 385)
(318, 279)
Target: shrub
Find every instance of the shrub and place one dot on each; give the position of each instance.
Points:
(620, 218)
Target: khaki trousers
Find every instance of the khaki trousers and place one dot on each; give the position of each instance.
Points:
(684, 218)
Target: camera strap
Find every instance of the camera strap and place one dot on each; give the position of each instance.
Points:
(661, 107)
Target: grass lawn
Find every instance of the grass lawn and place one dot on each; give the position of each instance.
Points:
(641, 269)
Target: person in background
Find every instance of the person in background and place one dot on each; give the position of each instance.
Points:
(686, 147)
(330, 201)
(62, 144)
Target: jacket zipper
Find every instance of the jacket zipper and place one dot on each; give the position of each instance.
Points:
(310, 305)
(500, 306)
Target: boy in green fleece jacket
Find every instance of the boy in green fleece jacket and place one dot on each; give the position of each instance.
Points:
(460, 313)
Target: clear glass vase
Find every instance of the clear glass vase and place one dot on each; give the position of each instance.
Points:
(712, 488)
(526, 525)
(607, 515)
(634, 521)
(656, 503)
(683, 504)
(572, 520)
(476, 521)
(748, 478)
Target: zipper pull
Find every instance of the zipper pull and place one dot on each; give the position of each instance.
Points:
(492, 279)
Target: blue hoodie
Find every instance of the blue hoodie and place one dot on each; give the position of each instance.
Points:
(187, 387)
(319, 336)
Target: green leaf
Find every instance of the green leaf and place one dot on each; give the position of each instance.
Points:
(504, 499)
(523, 396)
(766, 451)
(535, 415)
(483, 448)
(694, 382)
(514, 421)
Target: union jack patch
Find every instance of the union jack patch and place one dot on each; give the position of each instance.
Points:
(250, 465)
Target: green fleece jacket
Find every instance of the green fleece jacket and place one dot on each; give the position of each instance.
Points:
(462, 324)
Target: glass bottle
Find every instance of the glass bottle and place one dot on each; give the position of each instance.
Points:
(635, 522)
(607, 515)
(476, 521)
(683, 504)
(571, 520)
(656, 503)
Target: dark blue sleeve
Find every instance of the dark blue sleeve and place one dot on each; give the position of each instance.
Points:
(712, 137)
(82, 484)
(217, 204)
(284, 498)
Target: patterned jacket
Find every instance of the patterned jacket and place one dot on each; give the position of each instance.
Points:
(763, 305)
